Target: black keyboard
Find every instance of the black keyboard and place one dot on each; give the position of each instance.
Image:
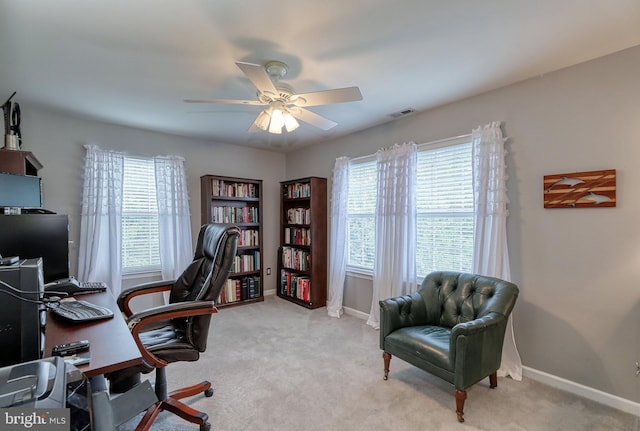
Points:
(71, 287)
(81, 311)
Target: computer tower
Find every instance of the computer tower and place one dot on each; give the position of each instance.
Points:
(22, 316)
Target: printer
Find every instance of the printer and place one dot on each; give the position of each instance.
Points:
(48, 383)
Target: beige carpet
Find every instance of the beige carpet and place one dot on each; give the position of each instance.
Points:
(278, 366)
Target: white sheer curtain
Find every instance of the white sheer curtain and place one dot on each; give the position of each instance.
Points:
(100, 218)
(338, 241)
(174, 218)
(394, 269)
(490, 253)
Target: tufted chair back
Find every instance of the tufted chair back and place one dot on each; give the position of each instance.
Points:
(204, 278)
(453, 297)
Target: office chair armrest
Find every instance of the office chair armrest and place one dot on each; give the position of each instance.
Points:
(141, 289)
(137, 322)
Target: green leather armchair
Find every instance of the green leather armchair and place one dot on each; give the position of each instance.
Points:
(453, 327)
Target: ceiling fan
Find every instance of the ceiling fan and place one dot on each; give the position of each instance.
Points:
(284, 106)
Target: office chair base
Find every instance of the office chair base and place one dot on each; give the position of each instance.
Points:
(177, 408)
(171, 403)
(202, 387)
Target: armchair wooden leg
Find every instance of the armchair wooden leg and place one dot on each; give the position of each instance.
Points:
(460, 397)
(387, 359)
(493, 379)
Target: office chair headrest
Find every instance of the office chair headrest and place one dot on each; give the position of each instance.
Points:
(213, 257)
(209, 241)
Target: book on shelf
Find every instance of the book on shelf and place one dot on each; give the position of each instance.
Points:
(249, 238)
(295, 258)
(248, 261)
(222, 188)
(297, 236)
(298, 216)
(240, 289)
(297, 190)
(295, 286)
(225, 214)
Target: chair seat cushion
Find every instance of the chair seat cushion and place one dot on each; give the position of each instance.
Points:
(424, 343)
(169, 343)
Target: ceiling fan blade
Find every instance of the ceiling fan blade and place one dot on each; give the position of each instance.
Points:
(226, 101)
(328, 97)
(253, 128)
(258, 76)
(313, 118)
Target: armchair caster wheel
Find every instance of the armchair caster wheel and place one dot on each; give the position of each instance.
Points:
(208, 393)
(460, 417)
(205, 427)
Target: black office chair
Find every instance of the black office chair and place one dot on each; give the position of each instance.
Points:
(178, 331)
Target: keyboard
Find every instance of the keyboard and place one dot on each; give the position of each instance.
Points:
(71, 287)
(81, 311)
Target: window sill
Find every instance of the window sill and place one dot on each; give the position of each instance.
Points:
(142, 274)
(360, 273)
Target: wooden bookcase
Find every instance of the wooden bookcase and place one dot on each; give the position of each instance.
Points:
(302, 256)
(237, 201)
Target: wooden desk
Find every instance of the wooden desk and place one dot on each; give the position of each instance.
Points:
(111, 345)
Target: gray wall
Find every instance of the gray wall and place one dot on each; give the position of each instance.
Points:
(578, 315)
(57, 141)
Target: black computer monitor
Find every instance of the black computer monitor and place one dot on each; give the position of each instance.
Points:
(38, 235)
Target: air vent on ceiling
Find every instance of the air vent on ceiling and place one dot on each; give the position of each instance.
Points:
(402, 113)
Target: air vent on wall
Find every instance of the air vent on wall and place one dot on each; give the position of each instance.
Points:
(402, 113)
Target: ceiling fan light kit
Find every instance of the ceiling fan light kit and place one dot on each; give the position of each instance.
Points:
(284, 106)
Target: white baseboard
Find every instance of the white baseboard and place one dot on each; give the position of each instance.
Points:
(592, 394)
(355, 313)
(269, 292)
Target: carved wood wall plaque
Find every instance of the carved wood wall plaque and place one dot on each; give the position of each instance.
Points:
(593, 189)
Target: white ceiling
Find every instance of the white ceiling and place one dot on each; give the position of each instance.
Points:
(132, 62)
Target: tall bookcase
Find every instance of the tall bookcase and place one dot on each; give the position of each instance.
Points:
(302, 256)
(237, 201)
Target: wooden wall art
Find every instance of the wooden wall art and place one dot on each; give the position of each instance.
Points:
(594, 189)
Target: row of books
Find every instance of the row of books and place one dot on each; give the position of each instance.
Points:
(294, 258)
(246, 262)
(299, 216)
(297, 235)
(295, 286)
(234, 214)
(249, 237)
(298, 190)
(240, 289)
(238, 190)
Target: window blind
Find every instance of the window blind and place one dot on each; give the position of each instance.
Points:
(445, 209)
(140, 242)
(361, 214)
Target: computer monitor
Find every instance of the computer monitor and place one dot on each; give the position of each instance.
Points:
(38, 235)
(22, 191)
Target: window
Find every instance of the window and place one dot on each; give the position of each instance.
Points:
(361, 215)
(140, 244)
(444, 210)
(444, 194)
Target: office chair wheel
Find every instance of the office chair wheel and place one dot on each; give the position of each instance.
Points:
(208, 393)
(205, 427)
